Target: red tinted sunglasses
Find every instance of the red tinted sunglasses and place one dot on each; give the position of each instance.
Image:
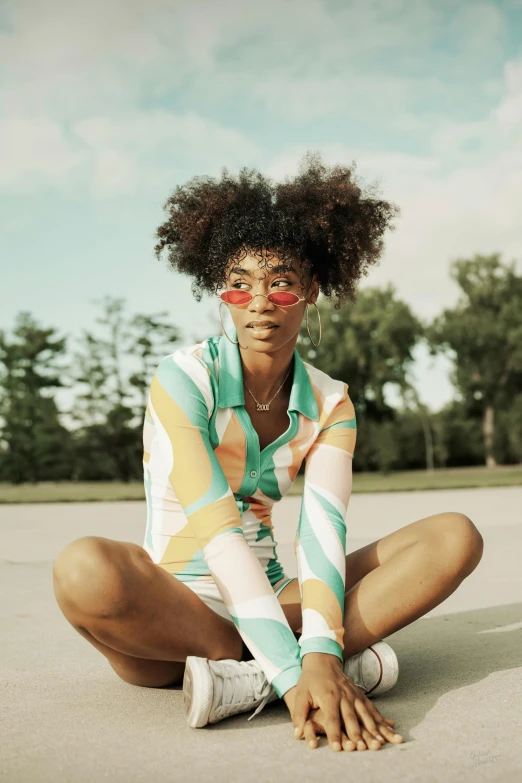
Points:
(279, 298)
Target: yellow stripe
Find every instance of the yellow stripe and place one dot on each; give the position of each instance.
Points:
(191, 476)
(179, 552)
(215, 518)
(320, 596)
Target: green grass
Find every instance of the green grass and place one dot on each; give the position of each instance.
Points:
(400, 481)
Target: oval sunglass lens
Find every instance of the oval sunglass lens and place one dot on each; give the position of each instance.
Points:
(283, 298)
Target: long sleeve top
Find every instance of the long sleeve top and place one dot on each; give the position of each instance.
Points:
(210, 490)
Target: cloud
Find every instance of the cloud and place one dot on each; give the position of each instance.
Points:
(87, 106)
(34, 153)
(459, 199)
(142, 152)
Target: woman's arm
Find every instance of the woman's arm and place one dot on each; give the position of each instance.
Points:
(320, 543)
(178, 398)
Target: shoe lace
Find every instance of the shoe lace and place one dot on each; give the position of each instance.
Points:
(239, 687)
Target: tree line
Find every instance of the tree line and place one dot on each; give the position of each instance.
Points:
(367, 344)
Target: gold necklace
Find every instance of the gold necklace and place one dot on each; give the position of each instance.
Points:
(265, 406)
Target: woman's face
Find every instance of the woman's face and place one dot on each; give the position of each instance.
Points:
(263, 277)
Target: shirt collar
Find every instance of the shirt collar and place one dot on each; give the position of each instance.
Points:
(230, 387)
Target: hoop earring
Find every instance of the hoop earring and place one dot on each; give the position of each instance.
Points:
(308, 328)
(225, 331)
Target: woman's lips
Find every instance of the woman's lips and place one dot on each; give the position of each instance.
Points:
(264, 332)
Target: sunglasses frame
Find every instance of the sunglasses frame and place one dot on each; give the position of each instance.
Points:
(267, 296)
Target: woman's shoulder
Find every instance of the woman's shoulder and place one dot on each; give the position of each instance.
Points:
(331, 394)
(202, 354)
(188, 366)
(325, 385)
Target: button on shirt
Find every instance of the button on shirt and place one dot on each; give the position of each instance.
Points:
(210, 490)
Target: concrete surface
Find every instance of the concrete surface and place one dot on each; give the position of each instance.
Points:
(67, 717)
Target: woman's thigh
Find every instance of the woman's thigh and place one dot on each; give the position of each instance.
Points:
(442, 529)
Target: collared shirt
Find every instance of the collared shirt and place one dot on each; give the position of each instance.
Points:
(210, 490)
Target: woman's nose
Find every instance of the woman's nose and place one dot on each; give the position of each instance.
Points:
(260, 301)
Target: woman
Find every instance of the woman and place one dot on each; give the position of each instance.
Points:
(228, 423)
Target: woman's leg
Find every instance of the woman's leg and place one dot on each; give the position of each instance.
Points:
(397, 579)
(141, 618)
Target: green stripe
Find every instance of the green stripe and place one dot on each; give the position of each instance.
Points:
(274, 639)
(320, 644)
(196, 566)
(229, 530)
(318, 562)
(334, 516)
(351, 425)
(286, 680)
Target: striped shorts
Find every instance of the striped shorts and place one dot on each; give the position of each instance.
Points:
(210, 595)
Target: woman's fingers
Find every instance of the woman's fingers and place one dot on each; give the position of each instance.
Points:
(351, 723)
(332, 722)
(372, 743)
(300, 712)
(366, 718)
(309, 734)
(377, 716)
(364, 712)
(347, 743)
(389, 734)
(311, 730)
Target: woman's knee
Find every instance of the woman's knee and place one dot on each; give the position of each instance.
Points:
(462, 542)
(90, 575)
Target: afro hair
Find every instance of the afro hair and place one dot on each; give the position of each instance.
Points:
(322, 217)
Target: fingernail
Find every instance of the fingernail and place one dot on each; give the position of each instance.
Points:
(380, 738)
(336, 746)
(297, 731)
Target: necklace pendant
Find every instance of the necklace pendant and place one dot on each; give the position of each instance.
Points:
(263, 406)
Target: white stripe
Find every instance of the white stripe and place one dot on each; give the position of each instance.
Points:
(334, 500)
(314, 624)
(221, 421)
(264, 607)
(305, 572)
(165, 446)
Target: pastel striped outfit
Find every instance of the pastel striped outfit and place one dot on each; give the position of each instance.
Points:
(210, 492)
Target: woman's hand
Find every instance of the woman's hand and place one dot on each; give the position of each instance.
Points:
(325, 700)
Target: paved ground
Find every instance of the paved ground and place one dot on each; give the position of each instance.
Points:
(66, 716)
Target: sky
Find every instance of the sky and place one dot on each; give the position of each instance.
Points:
(106, 107)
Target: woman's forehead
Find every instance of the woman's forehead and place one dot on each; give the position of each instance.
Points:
(260, 263)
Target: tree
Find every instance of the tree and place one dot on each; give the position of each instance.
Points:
(151, 337)
(36, 445)
(484, 333)
(367, 344)
(108, 441)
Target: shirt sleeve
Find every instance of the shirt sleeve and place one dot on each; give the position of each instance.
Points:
(177, 403)
(320, 542)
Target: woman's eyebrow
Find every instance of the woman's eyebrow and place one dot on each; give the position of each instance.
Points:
(274, 270)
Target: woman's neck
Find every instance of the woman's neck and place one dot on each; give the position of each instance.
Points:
(264, 373)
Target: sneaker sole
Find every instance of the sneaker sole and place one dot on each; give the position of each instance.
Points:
(198, 691)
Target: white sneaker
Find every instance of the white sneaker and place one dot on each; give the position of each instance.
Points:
(213, 690)
(375, 670)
